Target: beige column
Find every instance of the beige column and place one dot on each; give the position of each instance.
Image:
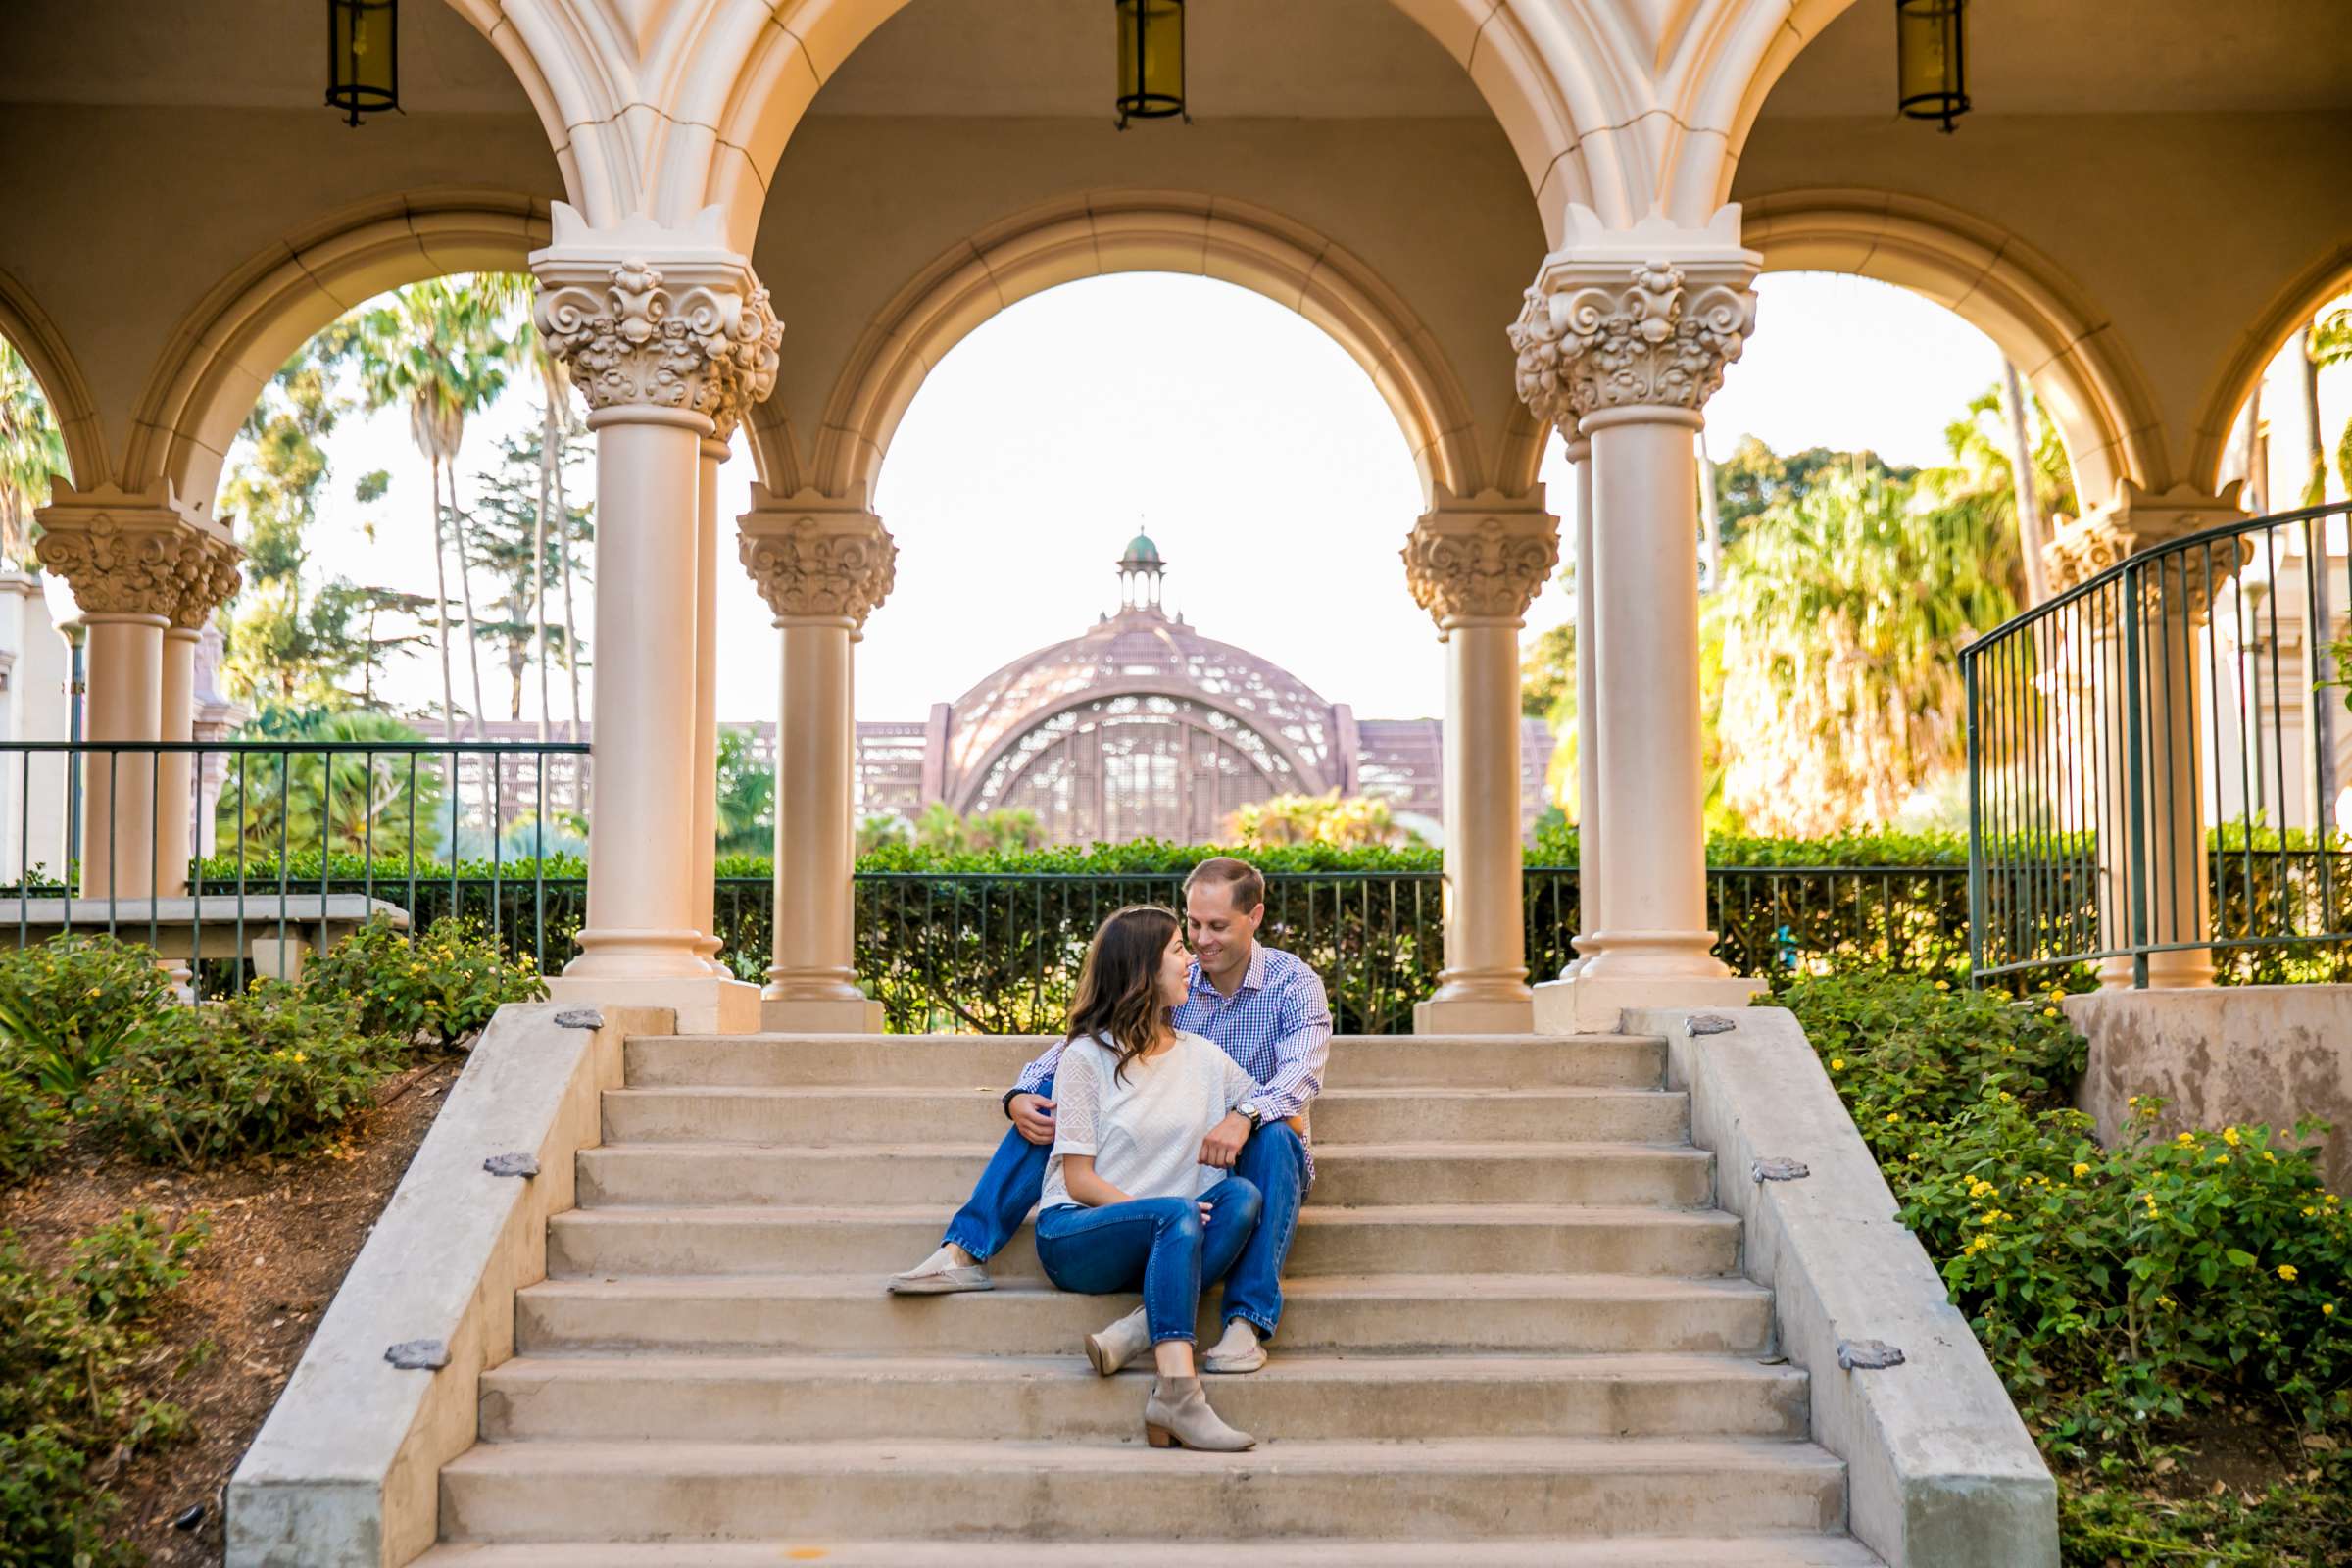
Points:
(1592, 844)
(1626, 334)
(2175, 604)
(205, 591)
(659, 328)
(1475, 563)
(706, 697)
(822, 564)
(130, 558)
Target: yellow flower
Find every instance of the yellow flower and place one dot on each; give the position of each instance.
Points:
(2309, 1212)
(1892, 1117)
(1943, 985)
(2049, 1013)
(2220, 1160)
(2081, 1170)
(2004, 1096)
(2186, 1140)
(298, 1059)
(2165, 1301)
(2287, 1272)
(1836, 1064)
(2230, 1136)
(2269, 1158)
(2326, 1309)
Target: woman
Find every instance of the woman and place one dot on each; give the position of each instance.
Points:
(1127, 1200)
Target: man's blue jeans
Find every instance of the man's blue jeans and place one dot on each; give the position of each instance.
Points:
(1160, 1243)
(1273, 1161)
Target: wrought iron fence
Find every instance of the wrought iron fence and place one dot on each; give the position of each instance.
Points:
(229, 856)
(296, 842)
(2157, 767)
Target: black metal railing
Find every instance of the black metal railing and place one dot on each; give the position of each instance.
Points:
(305, 839)
(221, 853)
(2156, 765)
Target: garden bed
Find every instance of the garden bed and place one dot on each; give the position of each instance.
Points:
(284, 1231)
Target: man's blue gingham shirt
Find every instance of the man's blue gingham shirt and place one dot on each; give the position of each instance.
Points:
(1276, 1025)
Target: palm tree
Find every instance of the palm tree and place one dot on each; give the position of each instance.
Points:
(442, 348)
(1842, 611)
(32, 451)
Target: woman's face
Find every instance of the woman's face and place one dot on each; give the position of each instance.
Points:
(1175, 972)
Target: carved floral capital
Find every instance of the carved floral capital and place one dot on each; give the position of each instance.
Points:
(1481, 559)
(654, 318)
(129, 554)
(817, 558)
(2138, 520)
(1647, 316)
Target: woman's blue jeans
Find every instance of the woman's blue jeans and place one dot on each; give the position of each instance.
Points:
(1160, 1242)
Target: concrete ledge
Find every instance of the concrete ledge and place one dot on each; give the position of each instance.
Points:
(346, 1471)
(1942, 1473)
(2230, 1054)
(1588, 1004)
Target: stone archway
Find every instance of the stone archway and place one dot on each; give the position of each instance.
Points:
(2059, 341)
(2290, 308)
(28, 330)
(225, 352)
(1130, 232)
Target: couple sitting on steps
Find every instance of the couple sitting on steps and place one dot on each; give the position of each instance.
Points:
(1163, 1142)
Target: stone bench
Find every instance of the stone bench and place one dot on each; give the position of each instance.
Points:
(276, 932)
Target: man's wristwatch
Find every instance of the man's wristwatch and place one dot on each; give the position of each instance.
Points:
(1248, 1108)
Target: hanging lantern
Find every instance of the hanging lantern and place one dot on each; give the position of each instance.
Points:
(1150, 60)
(363, 56)
(1931, 58)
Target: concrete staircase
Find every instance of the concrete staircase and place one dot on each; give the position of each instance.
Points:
(1516, 1333)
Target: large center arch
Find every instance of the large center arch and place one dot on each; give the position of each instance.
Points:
(2062, 344)
(1144, 231)
(226, 349)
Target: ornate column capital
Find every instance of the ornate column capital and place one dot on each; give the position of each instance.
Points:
(1482, 559)
(817, 558)
(656, 324)
(2135, 521)
(213, 581)
(1640, 318)
(144, 552)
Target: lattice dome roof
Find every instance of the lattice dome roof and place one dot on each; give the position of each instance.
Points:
(1141, 651)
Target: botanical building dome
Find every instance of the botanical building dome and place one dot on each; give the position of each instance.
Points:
(1141, 726)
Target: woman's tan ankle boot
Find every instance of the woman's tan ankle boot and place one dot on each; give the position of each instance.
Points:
(1178, 1416)
(1114, 1346)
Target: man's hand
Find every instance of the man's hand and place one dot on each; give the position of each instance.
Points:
(1223, 1145)
(1033, 1114)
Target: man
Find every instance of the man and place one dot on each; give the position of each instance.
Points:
(1265, 1009)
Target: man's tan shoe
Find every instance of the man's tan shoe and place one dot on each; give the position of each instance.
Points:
(941, 1275)
(1238, 1351)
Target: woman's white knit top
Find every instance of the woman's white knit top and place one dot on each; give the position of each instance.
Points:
(1145, 1126)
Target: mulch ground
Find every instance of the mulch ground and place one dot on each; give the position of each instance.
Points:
(284, 1232)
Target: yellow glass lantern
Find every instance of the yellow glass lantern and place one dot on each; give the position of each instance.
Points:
(1150, 60)
(1931, 58)
(363, 56)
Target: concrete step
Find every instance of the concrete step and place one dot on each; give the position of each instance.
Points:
(966, 1061)
(874, 1243)
(1652, 1552)
(825, 1116)
(557, 1491)
(1665, 1175)
(780, 1398)
(834, 1314)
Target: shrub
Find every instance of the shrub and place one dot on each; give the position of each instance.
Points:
(64, 1356)
(2117, 1290)
(275, 1070)
(444, 986)
(31, 1124)
(72, 1002)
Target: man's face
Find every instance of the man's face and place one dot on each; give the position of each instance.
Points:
(1219, 933)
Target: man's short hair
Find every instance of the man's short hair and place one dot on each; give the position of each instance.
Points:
(1243, 885)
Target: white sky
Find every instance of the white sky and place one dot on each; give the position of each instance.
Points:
(1246, 442)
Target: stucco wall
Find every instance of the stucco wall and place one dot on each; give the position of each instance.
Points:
(2234, 1053)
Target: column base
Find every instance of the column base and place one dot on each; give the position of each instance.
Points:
(1592, 1005)
(1439, 1016)
(705, 1004)
(821, 1015)
(2188, 969)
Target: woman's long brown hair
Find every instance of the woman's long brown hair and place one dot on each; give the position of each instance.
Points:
(1118, 989)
